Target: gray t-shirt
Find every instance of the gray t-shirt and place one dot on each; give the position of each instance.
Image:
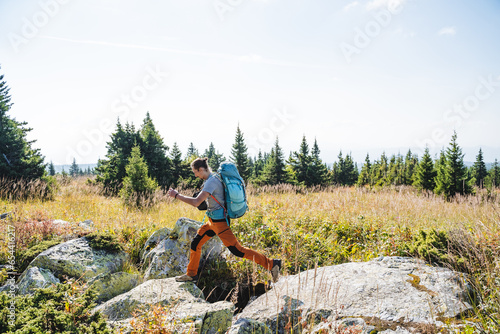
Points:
(214, 187)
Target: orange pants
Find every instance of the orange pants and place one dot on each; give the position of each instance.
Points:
(220, 228)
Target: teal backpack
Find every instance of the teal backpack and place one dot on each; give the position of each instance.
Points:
(234, 189)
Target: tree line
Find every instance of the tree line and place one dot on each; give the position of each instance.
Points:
(138, 160)
(446, 175)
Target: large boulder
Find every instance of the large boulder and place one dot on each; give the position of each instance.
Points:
(110, 285)
(170, 257)
(390, 293)
(185, 307)
(153, 240)
(36, 278)
(75, 258)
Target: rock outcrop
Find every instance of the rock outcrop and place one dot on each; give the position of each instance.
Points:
(75, 258)
(170, 257)
(387, 292)
(34, 278)
(186, 308)
(110, 285)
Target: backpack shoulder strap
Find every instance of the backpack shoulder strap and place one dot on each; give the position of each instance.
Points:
(217, 175)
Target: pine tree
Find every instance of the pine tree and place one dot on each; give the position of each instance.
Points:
(111, 171)
(300, 163)
(137, 185)
(258, 167)
(479, 171)
(52, 170)
(154, 152)
(393, 172)
(239, 155)
(493, 179)
(73, 169)
(410, 165)
(337, 172)
(351, 173)
(179, 169)
(274, 170)
(192, 152)
(452, 173)
(380, 170)
(425, 173)
(441, 177)
(365, 176)
(214, 158)
(319, 171)
(17, 157)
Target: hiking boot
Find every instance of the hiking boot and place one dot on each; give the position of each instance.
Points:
(275, 272)
(185, 278)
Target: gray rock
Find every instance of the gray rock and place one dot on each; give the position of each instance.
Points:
(391, 289)
(35, 277)
(184, 303)
(113, 284)
(170, 257)
(75, 258)
(249, 326)
(86, 224)
(153, 240)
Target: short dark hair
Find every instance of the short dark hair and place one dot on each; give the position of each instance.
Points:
(200, 162)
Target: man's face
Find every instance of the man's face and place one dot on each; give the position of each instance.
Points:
(197, 173)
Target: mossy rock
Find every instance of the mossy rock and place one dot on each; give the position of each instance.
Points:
(31, 253)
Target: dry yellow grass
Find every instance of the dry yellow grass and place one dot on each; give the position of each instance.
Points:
(78, 201)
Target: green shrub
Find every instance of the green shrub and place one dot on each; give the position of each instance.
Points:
(63, 308)
(105, 241)
(436, 247)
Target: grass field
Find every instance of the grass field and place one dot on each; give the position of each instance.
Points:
(304, 228)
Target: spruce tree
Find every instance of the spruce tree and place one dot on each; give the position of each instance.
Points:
(300, 163)
(73, 169)
(493, 179)
(351, 173)
(479, 171)
(380, 170)
(18, 159)
(258, 167)
(393, 172)
(410, 165)
(179, 169)
(52, 170)
(319, 171)
(456, 168)
(239, 155)
(214, 158)
(365, 176)
(192, 152)
(452, 173)
(274, 169)
(337, 172)
(137, 185)
(154, 152)
(111, 171)
(441, 176)
(425, 173)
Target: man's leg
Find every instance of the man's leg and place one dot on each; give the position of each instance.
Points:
(203, 235)
(229, 240)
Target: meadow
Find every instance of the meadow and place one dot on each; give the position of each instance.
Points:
(304, 227)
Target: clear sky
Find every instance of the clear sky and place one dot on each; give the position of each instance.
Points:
(359, 76)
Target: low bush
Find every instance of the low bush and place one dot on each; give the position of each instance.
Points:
(105, 241)
(63, 308)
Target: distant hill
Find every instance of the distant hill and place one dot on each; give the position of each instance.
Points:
(59, 168)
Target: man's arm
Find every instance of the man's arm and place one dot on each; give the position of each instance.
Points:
(194, 201)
